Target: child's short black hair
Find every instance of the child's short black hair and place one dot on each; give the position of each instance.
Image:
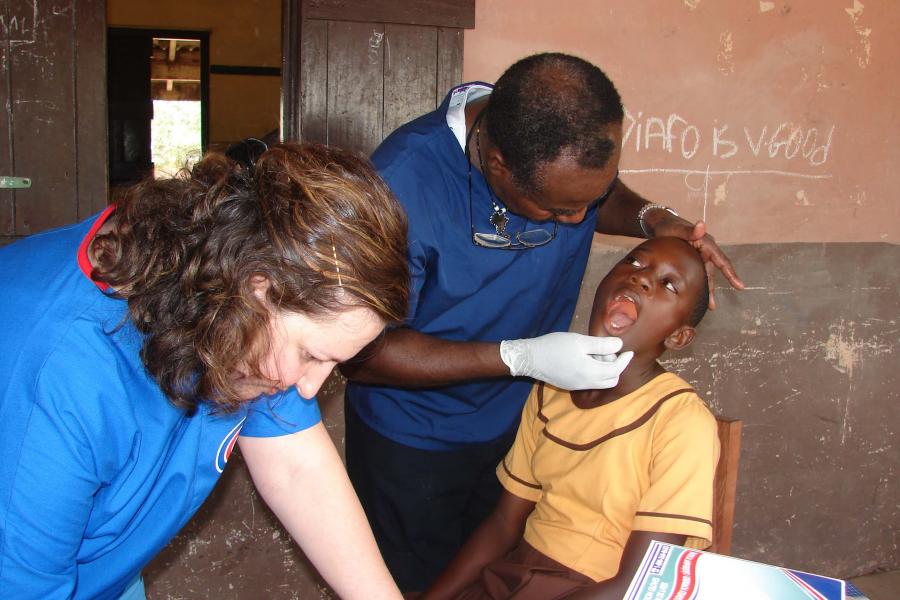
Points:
(702, 304)
(547, 103)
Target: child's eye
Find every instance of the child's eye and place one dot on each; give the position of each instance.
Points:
(632, 261)
(670, 286)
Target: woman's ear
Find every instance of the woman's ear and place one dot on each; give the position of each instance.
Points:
(680, 338)
(259, 283)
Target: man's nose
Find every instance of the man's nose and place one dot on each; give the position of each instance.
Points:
(573, 218)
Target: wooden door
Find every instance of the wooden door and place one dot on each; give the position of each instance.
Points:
(355, 70)
(52, 81)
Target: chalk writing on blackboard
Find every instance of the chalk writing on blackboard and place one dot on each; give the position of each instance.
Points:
(675, 135)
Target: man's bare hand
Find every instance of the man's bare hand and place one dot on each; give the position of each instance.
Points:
(712, 255)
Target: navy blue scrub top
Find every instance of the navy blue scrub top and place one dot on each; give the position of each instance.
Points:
(460, 291)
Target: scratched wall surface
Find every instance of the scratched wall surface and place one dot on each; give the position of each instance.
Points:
(773, 120)
(805, 357)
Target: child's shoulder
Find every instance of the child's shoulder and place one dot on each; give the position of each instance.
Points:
(681, 398)
(668, 385)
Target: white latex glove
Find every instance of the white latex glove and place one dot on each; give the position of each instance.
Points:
(570, 361)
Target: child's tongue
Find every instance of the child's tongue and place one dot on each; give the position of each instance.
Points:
(619, 315)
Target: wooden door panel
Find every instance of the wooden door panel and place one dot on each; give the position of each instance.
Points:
(355, 85)
(90, 95)
(449, 61)
(447, 13)
(53, 83)
(314, 73)
(410, 73)
(43, 116)
(366, 68)
(7, 210)
(130, 105)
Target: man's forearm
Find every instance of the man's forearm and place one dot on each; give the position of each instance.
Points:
(618, 215)
(407, 358)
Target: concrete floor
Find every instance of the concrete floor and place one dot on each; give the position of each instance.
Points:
(879, 586)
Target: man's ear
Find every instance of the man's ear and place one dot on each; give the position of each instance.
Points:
(259, 283)
(495, 163)
(680, 338)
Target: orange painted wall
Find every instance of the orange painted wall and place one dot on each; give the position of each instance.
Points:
(802, 96)
(242, 33)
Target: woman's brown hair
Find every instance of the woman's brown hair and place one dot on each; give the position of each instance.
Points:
(317, 222)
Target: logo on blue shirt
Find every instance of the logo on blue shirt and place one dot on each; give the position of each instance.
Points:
(227, 445)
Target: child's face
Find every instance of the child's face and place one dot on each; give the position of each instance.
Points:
(649, 294)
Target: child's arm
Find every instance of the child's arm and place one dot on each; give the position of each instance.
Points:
(615, 588)
(494, 538)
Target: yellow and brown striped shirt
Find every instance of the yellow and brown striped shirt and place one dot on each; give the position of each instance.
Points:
(644, 462)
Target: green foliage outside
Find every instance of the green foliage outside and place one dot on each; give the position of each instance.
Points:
(175, 135)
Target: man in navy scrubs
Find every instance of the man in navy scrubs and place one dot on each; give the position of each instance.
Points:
(504, 187)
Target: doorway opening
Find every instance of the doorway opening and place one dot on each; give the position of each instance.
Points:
(158, 88)
(176, 137)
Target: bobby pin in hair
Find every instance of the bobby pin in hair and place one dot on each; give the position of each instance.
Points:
(337, 266)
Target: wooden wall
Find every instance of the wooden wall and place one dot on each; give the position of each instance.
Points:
(54, 131)
(367, 67)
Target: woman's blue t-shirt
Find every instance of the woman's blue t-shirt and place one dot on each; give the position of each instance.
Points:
(99, 469)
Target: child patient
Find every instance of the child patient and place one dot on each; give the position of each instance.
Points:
(594, 475)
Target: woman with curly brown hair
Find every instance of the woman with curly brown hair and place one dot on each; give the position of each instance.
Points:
(139, 346)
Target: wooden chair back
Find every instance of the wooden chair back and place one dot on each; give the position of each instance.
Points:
(725, 484)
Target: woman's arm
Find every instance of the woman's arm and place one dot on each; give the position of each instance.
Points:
(302, 479)
(494, 538)
(615, 588)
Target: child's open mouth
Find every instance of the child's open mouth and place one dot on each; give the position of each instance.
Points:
(621, 313)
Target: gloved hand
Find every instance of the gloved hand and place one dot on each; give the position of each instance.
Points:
(569, 361)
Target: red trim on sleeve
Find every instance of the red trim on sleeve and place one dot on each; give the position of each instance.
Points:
(84, 263)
